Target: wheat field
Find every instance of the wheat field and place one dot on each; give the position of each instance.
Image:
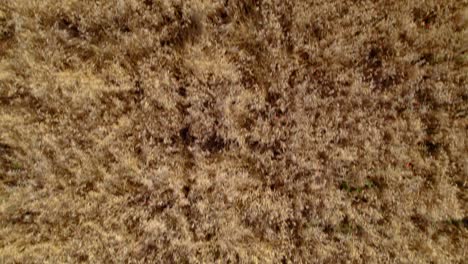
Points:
(233, 131)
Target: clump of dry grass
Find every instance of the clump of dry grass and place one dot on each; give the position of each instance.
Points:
(233, 131)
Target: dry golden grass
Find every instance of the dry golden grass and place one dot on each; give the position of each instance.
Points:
(241, 131)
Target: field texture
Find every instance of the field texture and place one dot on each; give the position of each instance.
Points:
(234, 131)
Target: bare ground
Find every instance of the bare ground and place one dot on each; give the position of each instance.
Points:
(233, 131)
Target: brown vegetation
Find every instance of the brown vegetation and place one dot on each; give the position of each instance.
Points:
(241, 131)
